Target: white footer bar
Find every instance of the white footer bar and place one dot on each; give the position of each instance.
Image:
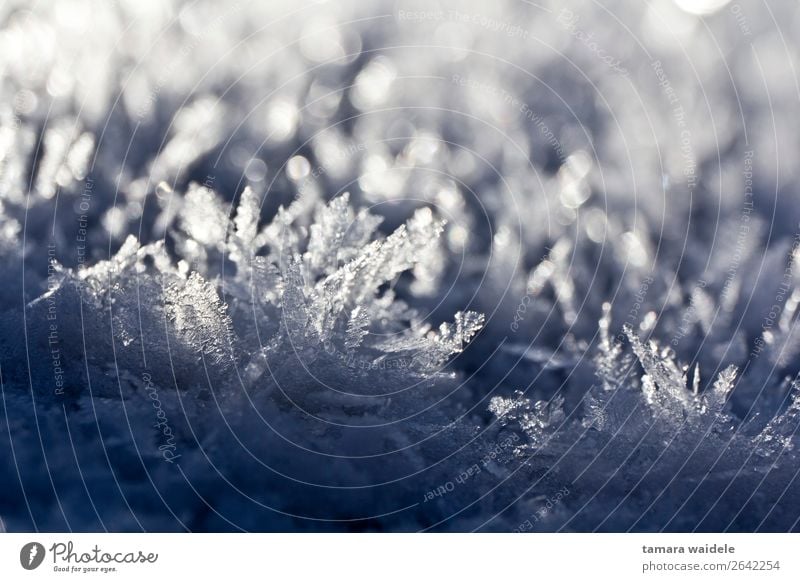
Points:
(401, 557)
